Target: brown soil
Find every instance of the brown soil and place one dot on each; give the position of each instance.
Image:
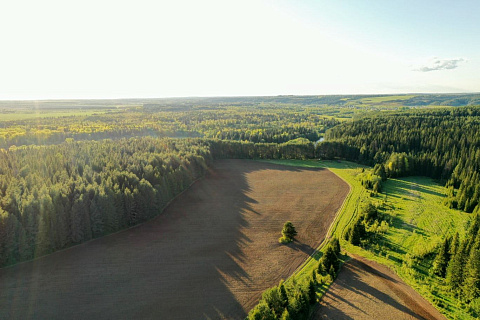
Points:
(208, 256)
(367, 290)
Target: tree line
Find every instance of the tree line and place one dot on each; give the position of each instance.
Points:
(458, 262)
(296, 299)
(55, 196)
(442, 144)
(52, 197)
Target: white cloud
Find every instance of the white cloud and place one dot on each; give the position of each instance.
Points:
(436, 64)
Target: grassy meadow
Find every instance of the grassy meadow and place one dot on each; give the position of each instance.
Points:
(418, 222)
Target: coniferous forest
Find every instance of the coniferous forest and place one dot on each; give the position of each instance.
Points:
(69, 179)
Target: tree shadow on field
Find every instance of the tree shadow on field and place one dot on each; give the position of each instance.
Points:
(303, 247)
(421, 186)
(400, 188)
(189, 262)
(333, 313)
(399, 223)
(350, 278)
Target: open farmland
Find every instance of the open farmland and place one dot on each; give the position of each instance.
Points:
(209, 255)
(368, 290)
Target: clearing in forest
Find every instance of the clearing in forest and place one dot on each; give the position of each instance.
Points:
(210, 254)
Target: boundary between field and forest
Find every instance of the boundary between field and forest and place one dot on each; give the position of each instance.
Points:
(316, 255)
(345, 216)
(110, 234)
(341, 221)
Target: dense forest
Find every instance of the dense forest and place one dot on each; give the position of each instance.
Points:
(439, 143)
(458, 261)
(56, 196)
(66, 180)
(443, 144)
(256, 119)
(297, 300)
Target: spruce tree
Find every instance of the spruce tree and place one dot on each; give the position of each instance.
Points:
(454, 244)
(286, 315)
(471, 284)
(441, 260)
(283, 294)
(312, 295)
(455, 268)
(261, 312)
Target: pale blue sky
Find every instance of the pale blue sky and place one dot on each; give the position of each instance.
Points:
(114, 49)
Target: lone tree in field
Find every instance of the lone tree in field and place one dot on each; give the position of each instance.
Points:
(288, 233)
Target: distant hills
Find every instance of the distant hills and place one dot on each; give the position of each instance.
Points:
(402, 100)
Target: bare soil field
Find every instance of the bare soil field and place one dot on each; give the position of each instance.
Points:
(209, 255)
(368, 290)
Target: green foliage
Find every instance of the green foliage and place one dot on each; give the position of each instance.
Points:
(442, 144)
(286, 315)
(56, 196)
(442, 258)
(371, 181)
(254, 122)
(329, 262)
(471, 287)
(288, 233)
(273, 304)
(296, 300)
(416, 224)
(366, 226)
(261, 312)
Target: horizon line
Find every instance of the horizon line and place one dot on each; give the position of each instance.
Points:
(243, 96)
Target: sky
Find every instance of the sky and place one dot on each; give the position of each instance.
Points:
(64, 49)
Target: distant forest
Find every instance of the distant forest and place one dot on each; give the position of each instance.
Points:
(443, 144)
(265, 124)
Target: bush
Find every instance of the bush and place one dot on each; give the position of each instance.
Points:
(288, 233)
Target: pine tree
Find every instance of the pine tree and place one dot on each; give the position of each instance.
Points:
(312, 295)
(283, 294)
(336, 245)
(261, 312)
(96, 218)
(357, 232)
(286, 315)
(77, 225)
(454, 245)
(329, 261)
(273, 298)
(455, 268)
(471, 284)
(441, 260)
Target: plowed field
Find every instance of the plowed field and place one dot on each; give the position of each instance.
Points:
(367, 290)
(210, 254)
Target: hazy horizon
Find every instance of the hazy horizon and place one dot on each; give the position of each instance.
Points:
(249, 96)
(162, 49)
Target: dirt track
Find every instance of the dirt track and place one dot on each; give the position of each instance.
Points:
(368, 290)
(209, 255)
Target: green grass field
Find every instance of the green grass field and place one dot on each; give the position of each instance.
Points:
(419, 221)
(375, 100)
